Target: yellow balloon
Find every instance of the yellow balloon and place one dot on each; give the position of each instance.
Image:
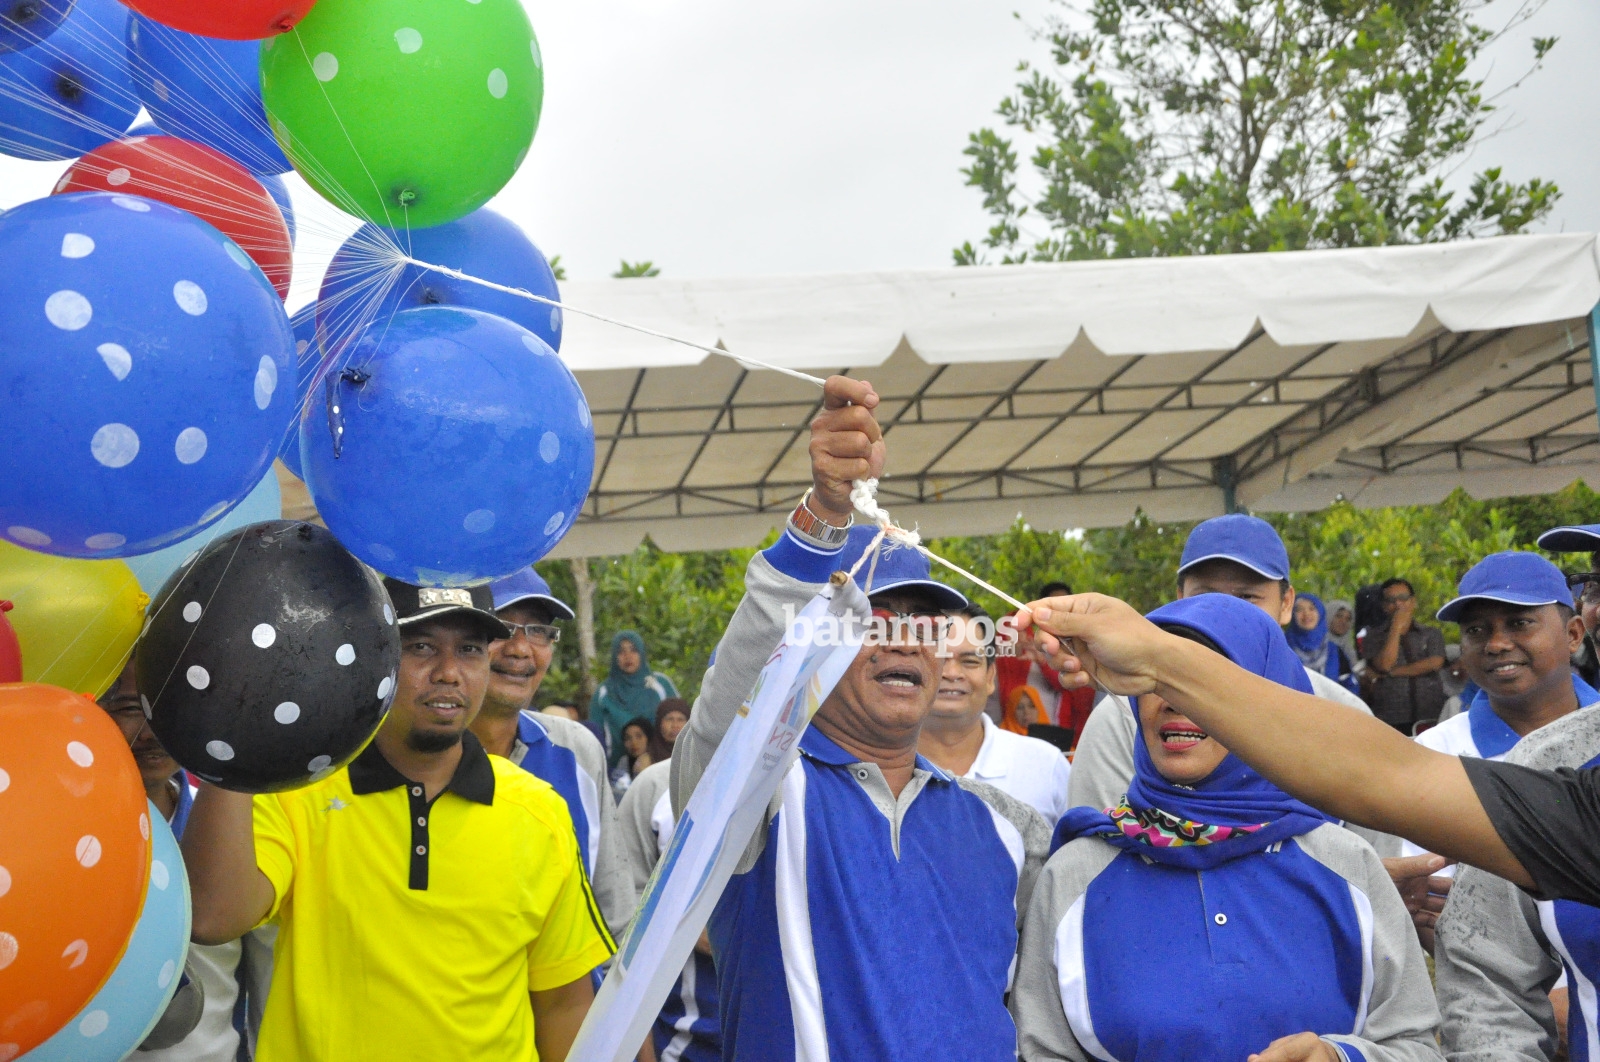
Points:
(76, 620)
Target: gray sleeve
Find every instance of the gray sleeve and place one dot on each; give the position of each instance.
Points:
(1494, 973)
(1402, 1015)
(636, 834)
(613, 888)
(753, 633)
(1102, 767)
(1043, 1032)
(1029, 824)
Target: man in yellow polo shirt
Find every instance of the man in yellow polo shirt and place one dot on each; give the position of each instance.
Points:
(430, 899)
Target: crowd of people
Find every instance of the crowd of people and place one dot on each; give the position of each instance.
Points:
(1191, 836)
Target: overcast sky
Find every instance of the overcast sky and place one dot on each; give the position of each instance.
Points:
(721, 137)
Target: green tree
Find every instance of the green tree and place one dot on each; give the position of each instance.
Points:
(1180, 127)
(679, 602)
(646, 268)
(1334, 551)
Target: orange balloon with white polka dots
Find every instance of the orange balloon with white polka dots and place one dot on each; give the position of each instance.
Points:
(74, 857)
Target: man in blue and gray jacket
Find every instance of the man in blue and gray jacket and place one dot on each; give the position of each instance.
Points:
(874, 915)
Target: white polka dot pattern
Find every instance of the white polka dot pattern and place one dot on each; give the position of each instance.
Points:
(115, 445)
(80, 754)
(190, 446)
(198, 677)
(190, 297)
(88, 850)
(498, 86)
(219, 750)
(191, 611)
(345, 654)
(76, 245)
(549, 447)
(408, 39)
(68, 310)
(264, 635)
(325, 66)
(117, 359)
(286, 713)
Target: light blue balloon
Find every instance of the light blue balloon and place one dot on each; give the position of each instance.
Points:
(263, 503)
(115, 1022)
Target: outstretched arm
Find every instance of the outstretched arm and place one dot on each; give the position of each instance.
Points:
(1351, 766)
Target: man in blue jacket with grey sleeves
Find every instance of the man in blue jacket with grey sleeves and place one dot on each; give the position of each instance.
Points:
(874, 914)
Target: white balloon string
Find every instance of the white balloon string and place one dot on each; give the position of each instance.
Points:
(742, 359)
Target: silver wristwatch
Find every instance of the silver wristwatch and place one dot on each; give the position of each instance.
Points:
(812, 528)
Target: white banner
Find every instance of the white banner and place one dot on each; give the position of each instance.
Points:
(726, 808)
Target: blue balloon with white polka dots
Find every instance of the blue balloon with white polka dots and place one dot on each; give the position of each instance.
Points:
(483, 244)
(71, 92)
(113, 1024)
(206, 90)
(309, 366)
(450, 447)
(148, 371)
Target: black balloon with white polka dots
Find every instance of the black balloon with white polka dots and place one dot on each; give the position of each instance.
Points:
(269, 658)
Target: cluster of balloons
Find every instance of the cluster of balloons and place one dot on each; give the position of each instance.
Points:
(153, 376)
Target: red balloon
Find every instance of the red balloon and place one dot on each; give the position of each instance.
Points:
(236, 20)
(10, 648)
(195, 178)
(75, 844)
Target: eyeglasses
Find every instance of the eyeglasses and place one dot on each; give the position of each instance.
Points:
(917, 628)
(540, 634)
(1586, 585)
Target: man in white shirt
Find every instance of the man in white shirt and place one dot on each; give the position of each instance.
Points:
(959, 736)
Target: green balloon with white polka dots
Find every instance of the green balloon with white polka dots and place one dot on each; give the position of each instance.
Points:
(409, 113)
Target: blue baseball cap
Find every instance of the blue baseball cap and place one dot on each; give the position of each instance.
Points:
(527, 585)
(898, 568)
(1577, 538)
(1514, 577)
(1246, 540)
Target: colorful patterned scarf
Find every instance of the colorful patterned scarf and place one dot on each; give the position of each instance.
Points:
(1155, 827)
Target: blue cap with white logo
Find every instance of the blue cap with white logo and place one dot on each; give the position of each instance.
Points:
(1514, 577)
(1577, 538)
(898, 568)
(1246, 540)
(528, 585)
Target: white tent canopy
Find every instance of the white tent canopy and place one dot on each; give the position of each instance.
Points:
(1074, 393)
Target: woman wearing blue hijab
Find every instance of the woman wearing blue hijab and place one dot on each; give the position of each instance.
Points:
(1210, 915)
(1309, 638)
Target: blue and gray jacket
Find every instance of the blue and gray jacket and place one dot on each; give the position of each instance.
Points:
(858, 925)
(1128, 960)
